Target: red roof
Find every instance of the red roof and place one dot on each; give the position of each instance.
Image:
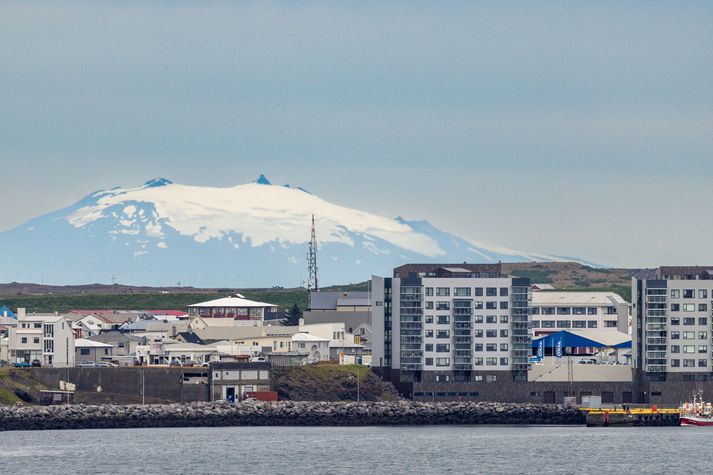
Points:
(175, 313)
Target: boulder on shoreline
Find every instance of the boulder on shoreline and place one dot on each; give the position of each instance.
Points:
(282, 413)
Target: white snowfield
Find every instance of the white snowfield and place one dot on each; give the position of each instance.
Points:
(260, 213)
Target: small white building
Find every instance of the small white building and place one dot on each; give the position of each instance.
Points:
(91, 350)
(45, 338)
(556, 311)
(317, 347)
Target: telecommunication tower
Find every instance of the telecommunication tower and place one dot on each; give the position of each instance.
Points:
(312, 281)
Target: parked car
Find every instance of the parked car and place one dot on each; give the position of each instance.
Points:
(258, 359)
(86, 364)
(36, 363)
(22, 364)
(587, 361)
(106, 364)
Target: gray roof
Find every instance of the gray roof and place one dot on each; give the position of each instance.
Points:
(350, 319)
(328, 300)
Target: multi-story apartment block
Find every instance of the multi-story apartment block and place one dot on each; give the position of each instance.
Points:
(556, 311)
(442, 322)
(673, 322)
(45, 338)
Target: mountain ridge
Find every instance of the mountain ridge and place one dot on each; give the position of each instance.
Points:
(253, 234)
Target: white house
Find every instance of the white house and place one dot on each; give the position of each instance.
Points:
(46, 338)
(317, 347)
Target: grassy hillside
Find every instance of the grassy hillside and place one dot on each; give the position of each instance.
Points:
(330, 382)
(17, 385)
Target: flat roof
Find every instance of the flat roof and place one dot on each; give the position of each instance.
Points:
(576, 298)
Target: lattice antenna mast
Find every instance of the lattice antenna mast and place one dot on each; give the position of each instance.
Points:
(312, 281)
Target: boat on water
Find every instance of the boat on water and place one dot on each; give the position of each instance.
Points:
(697, 412)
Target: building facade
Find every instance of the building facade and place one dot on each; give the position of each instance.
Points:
(450, 323)
(673, 321)
(552, 312)
(48, 339)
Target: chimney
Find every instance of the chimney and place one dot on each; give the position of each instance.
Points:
(20, 312)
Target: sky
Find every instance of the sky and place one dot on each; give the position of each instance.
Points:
(570, 128)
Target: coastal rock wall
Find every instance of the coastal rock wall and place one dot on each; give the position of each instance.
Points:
(283, 413)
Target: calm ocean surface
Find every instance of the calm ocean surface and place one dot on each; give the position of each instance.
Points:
(370, 450)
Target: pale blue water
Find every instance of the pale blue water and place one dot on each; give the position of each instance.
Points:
(368, 450)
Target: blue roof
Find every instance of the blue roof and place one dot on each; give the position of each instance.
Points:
(10, 313)
(573, 340)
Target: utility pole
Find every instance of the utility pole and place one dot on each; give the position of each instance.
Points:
(358, 395)
(312, 280)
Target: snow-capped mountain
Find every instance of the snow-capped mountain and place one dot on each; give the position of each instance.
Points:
(247, 235)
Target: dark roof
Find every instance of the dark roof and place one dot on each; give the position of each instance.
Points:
(447, 270)
(239, 365)
(189, 337)
(685, 272)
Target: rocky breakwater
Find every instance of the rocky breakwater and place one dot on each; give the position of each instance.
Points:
(283, 413)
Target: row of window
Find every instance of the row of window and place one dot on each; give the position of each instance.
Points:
(689, 335)
(689, 307)
(446, 319)
(477, 333)
(477, 361)
(689, 363)
(466, 291)
(443, 378)
(689, 321)
(689, 293)
(689, 348)
(446, 305)
(446, 347)
(571, 324)
(571, 310)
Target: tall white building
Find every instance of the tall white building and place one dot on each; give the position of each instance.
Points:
(45, 338)
(459, 322)
(551, 312)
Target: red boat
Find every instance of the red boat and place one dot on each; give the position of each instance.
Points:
(696, 413)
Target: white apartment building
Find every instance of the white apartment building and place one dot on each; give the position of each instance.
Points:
(551, 312)
(673, 321)
(46, 338)
(454, 321)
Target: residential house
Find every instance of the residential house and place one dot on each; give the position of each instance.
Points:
(46, 338)
(235, 306)
(90, 350)
(232, 381)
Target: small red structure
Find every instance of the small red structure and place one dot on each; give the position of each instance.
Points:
(262, 395)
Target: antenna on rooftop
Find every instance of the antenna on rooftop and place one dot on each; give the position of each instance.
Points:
(312, 282)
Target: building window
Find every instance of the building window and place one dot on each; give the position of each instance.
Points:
(491, 378)
(443, 348)
(675, 349)
(443, 361)
(429, 291)
(675, 321)
(503, 305)
(702, 363)
(442, 378)
(675, 363)
(478, 291)
(478, 334)
(429, 347)
(461, 292)
(610, 324)
(478, 347)
(702, 335)
(548, 323)
(503, 333)
(563, 323)
(491, 347)
(563, 311)
(675, 335)
(689, 294)
(491, 333)
(689, 307)
(443, 319)
(503, 291)
(689, 349)
(478, 305)
(579, 310)
(503, 318)
(428, 319)
(503, 361)
(548, 310)
(491, 305)
(443, 305)
(491, 361)
(675, 294)
(579, 324)
(591, 310)
(702, 294)
(478, 361)
(703, 321)
(443, 333)
(703, 348)
(429, 361)
(429, 333)
(84, 351)
(491, 319)
(443, 291)
(491, 292)
(429, 305)
(503, 347)
(689, 335)
(702, 307)
(535, 311)
(689, 363)
(36, 340)
(23, 340)
(675, 307)
(478, 319)
(591, 324)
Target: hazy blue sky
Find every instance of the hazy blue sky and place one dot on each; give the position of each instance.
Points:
(573, 128)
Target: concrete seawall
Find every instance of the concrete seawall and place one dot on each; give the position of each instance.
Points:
(284, 413)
